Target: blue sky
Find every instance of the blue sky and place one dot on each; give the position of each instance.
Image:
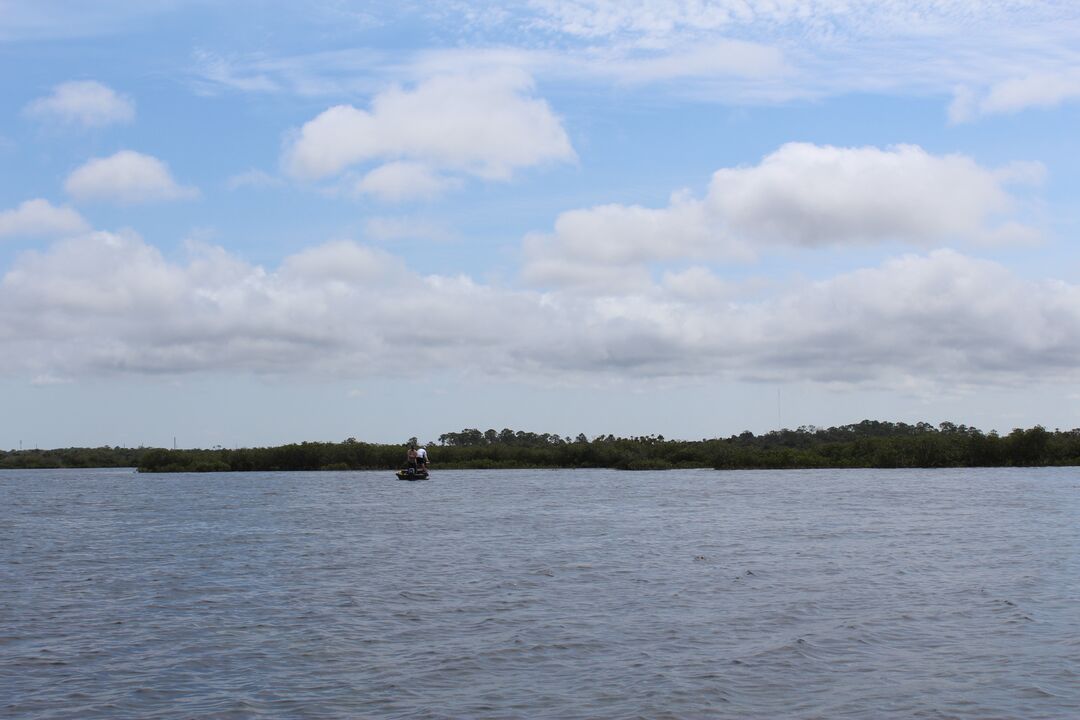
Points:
(250, 223)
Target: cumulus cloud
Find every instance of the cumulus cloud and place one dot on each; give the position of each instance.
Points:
(39, 217)
(343, 261)
(127, 177)
(801, 195)
(607, 246)
(941, 318)
(399, 181)
(952, 308)
(1035, 90)
(109, 303)
(485, 125)
(85, 102)
(697, 284)
(818, 195)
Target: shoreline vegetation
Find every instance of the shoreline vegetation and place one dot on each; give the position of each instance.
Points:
(868, 444)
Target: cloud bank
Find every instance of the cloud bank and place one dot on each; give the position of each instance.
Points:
(107, 303)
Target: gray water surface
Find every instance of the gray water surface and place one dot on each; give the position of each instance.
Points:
(541, 594)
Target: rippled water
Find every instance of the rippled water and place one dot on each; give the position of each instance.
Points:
(541, 594)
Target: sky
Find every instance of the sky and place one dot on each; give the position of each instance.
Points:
(259, 222)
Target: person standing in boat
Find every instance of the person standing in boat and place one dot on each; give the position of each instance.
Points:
(421, 458)
(411, 458)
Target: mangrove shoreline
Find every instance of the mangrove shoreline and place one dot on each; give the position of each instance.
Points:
(868, 444)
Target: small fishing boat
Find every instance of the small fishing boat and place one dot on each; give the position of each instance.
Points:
(412, 474)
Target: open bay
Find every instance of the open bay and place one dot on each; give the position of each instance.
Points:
(541, 594)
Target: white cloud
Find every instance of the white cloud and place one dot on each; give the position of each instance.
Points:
(801, 195)
(931, 320)
(650, 23)
(85, 102)
(729, 65)
(717, 59)
(814, 195)
(343, 261)
(1005, 56)
(318, 74)
(1036, 90)
(607, 246)
(216, 71)
(952, 308)
(596, 19)
(728, 51)
(127, 177)
(40, 217)
(697, 283)
(483, 125)
(111, 304)
(253, 179)
(400, 181)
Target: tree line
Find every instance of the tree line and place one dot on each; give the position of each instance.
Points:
(75, 457)
(868, 444)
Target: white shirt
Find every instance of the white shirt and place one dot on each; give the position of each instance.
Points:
(422, 454)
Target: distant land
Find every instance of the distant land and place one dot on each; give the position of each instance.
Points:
(867, 444)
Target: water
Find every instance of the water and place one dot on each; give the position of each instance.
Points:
(541, 594)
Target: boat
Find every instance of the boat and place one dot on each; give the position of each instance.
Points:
(412, 474)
